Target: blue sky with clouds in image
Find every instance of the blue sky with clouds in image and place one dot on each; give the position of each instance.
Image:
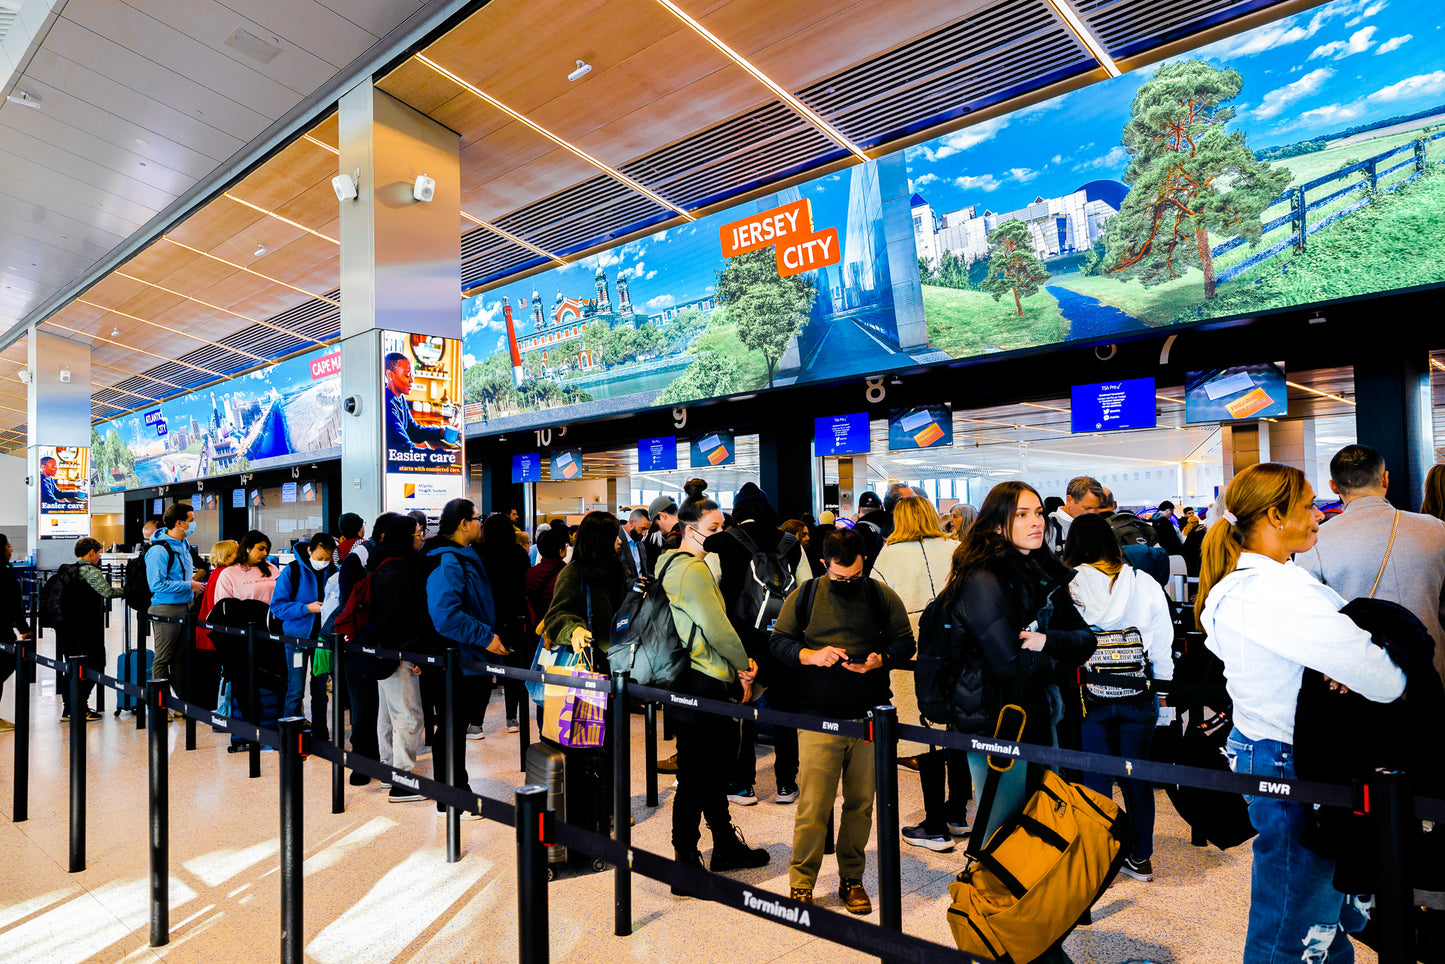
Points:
(1340, 64)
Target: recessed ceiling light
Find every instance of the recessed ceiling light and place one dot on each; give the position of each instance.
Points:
(142, 163)
(143, 142)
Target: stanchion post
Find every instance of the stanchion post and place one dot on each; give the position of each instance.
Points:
(1391, 804)
(138, 668)
(525, 721)
(77, 770)
(884, 720)
(253, 700)
(532, 830)
(293, 749)
(650, 747)
(621, 726)
(186, 650)
(20, 808)
(449, 753)
(160, 811)
(338, 718)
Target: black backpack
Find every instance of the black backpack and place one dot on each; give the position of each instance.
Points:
(767, 584)
(52, 596)
(645, 643)
(1132, 530)
(934, 675)
(137, 582)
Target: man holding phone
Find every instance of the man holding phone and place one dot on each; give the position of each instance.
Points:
(845, 631)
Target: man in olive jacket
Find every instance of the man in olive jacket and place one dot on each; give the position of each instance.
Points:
(846, 631)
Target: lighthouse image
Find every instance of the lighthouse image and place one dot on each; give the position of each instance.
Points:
(517, 374)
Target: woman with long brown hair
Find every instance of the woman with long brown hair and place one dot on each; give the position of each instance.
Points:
(1269, 620)
(1010, 595)
(1434, 503)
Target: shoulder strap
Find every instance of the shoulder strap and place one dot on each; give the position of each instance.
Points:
(744, 540)
(806, 596)
(990, 784)
(1394, 528)
(786, 544)
(932, 589)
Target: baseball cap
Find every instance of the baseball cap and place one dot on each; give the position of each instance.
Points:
(870, 500)
(661, 504)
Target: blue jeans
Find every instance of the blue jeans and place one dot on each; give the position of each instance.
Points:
(296, 677)
(1126, 730)
(1295, 913)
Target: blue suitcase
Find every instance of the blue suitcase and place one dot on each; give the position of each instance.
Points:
(128, 670)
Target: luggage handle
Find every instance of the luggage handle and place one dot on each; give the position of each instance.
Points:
(990, 785)
(998, 734)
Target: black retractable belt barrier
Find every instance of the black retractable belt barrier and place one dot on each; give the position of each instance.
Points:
(294, 738)
(78, 712)
(1389, 800)
(621, 726)
(650, 747)
(338, 732)
(884, 726)
(253, 701)
(20, 809)
(186, 650)
(449, 753)
(138, 668)
(160, 813)
(533, 831)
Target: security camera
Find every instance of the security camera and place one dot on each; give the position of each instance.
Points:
(424, 189)
(1105, 352)
(352, 405)
(23, 375)
(345, 187)
(583, 69)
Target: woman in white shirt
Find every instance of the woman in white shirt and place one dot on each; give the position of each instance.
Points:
(1268, 620)
(1112, 595)
(915, 562)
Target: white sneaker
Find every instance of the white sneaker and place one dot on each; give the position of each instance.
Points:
(513, 726)
(475, 733)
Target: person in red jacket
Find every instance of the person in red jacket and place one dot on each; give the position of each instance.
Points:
(206, 671)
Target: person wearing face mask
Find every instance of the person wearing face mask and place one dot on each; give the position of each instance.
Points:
(296, 601)
(1268, 619)
(719, 669)
(1021, 636)
(170, 575)
(845, 632)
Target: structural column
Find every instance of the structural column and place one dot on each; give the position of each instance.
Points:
(400, 268)
(1293, 443)
(1243, 445)
(1393, 414)
(785, 466)
(58, 408)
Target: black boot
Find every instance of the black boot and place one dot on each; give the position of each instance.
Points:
(692, 859)
(731, 852)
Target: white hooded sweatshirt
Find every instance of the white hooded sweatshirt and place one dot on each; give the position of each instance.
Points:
(1134, 599)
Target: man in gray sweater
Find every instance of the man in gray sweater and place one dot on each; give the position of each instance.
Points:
(1352, 546)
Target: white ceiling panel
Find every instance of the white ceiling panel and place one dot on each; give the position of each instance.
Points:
(171, 85)
(34, 210)
(373, 16)
(59, 78)
(114, 191)
(325, 31)
(123, 172)
(46, 240)
(36, 263)
(299, 66)
(130, 159)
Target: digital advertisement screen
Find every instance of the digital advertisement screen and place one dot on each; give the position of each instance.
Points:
(211, 502)
(657, 454)
(1241, 392)
(1034, 228)
(308, 491)
(421, 391)
(841, 435)
(713, 448)
(565, 465)
(921, 427)
(527, 467)
(64, 492)
(257, 500)
(1107, 406)
(280, 414)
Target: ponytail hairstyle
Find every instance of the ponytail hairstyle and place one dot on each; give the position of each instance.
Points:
(1247, 500)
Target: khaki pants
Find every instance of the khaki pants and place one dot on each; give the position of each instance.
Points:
(822, 760)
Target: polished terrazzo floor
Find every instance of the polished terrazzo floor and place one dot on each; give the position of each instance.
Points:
(378, 887)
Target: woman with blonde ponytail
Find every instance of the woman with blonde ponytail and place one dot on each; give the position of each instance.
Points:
(1269, 620)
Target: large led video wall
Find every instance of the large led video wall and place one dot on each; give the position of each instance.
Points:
(277, 415)
(1293, 164)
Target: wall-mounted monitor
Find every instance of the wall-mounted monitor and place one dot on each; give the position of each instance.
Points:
(238, 498)
(920, 427)
(566, 465)
(841, 435)
(1233, 394)
(1108, 406)
(713, 448)
(288, 493)
(657, 454)
(527, 467)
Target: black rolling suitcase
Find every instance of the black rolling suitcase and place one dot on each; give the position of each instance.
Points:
(579, 791)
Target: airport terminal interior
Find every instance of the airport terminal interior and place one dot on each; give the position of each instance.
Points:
(281, 262)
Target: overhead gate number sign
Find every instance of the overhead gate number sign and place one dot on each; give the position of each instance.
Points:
(789, 231)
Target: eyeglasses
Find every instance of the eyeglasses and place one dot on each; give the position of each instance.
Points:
(844, 580)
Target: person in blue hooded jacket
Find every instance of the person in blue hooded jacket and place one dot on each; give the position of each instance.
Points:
(296, 601)
(459, 601)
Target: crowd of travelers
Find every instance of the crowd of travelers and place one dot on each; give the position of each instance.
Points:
(1030, 586)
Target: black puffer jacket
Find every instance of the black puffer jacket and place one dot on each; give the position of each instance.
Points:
(993, 605)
